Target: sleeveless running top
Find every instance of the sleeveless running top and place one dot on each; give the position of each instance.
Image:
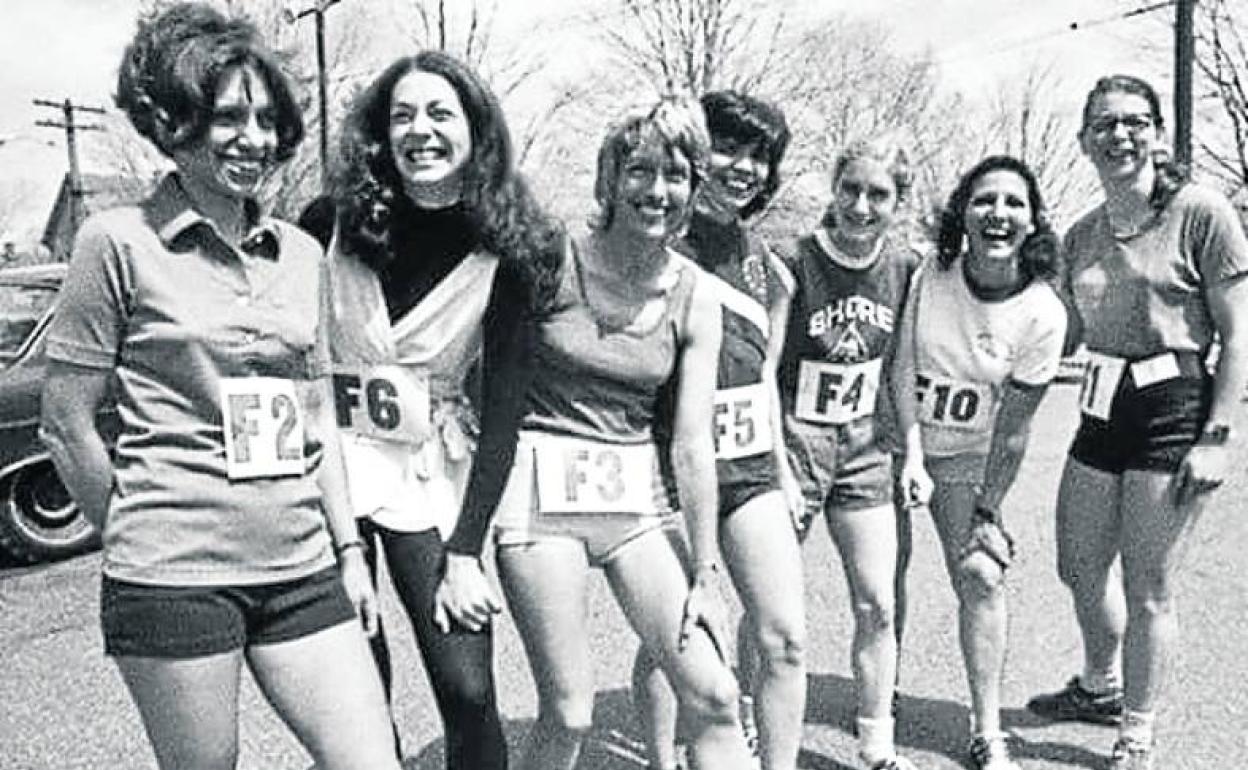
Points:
(598, 382)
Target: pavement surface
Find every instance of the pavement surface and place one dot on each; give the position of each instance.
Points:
(63, 706)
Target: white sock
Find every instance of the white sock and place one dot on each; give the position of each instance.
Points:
(875, 739)
(1137, 726)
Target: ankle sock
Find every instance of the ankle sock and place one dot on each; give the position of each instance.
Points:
(875, 739)
(1137, 726)
(1100, 682)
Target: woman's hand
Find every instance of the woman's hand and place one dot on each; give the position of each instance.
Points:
(702, 610)
(916, 484)
(464, 595)
(359, 587)
(1202, 471)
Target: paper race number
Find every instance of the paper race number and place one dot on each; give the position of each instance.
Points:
(742, 422)
(389, 402)
(952, 404)
(1100, 383)
(834, 394)
(579, 476)
(264, 427)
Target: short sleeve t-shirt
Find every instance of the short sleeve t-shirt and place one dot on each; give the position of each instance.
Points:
(157, 296)
(967, 349)
(1143, 295)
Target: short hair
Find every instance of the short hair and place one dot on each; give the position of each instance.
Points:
(749, 120)
(169, 74)
(675, 122)
(1038, 254)
(1171, 176)
(888, 151)
(367, 188)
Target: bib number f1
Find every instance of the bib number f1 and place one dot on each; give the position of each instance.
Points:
(264, 427)
(742, 422)
(1100, 383)
(578, 476)
(834, 394)
(951, 404)
(385, 402)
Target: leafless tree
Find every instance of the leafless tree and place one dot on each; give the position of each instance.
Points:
(1222, 63)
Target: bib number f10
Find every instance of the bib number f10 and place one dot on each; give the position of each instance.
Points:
(578, 476)
(385, 402)
(834, 394)
(264, 427)
(742, 422)
(951, 404)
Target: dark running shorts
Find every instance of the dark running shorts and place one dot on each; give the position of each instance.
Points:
(151, 621)
(1150, 428)
(743, 479)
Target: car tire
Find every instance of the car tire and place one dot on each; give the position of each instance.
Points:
(38, 520)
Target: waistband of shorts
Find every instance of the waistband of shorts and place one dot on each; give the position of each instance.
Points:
(1191, 364)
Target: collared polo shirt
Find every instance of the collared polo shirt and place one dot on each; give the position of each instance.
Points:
(157, 295)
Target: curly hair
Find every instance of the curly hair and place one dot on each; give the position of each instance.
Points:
(676, 123)
(748, 120)
(1037, 257)
(366, 186)
(169, 74)
(1171, 176)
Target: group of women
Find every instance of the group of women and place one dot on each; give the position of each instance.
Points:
(448, 363)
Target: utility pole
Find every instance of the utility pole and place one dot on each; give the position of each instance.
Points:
(68, 109)
(317, 11)
(1184, 53)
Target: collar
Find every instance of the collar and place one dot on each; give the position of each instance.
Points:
(173, 215)
(829, 247)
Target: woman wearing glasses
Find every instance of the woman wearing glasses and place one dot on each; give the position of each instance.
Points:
(1155, 273)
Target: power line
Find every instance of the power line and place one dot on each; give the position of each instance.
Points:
(68, 110)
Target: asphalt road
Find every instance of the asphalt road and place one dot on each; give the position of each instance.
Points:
(62, 705)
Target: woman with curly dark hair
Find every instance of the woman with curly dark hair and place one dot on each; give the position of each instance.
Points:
(980, 340)
(228, 537)
(437, 245)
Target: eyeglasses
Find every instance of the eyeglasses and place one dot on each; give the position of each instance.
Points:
(1107, 124)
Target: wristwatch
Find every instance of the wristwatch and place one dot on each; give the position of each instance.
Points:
(1214, 434)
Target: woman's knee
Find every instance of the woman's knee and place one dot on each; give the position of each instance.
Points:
(715, 700)
(979, 579)
(571, 716)
(875, 614)
(782, 644)
(1148, 591)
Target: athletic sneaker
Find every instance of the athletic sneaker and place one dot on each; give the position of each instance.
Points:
(991, 752)
(1129, 754)
(1074, 702)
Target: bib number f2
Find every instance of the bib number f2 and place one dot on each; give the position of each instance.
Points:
(388, 403)
(1100, 383)
(578, 476)
(951, 404)
(742, 422)
(264, 427)
(834, 394)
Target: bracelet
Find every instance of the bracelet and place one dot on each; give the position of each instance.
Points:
(341, 548)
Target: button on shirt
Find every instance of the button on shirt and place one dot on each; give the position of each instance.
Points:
(156, 294)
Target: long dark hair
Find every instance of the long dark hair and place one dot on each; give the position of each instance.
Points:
(367, 187)
(1171, 176)
(169, 73)
(1037, 257)
(750, 120)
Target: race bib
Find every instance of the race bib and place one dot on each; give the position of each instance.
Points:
(579, 476)
(834, 394)
(1100, 383)
(950, 404)
(390, 403)
(263, 427)
(742, 422)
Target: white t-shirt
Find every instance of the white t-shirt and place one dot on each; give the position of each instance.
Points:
(966, 349)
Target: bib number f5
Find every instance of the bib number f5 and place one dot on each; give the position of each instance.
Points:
(742, 422)
(578, 476)
(264, 427)
(834, 394)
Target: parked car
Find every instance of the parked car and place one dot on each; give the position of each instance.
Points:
(38, 520)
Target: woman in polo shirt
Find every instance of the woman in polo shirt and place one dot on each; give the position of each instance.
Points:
(1155, 272)
(436, 244)
(223, 504)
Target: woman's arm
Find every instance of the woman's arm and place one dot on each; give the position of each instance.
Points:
(1009, 442)
(71, 397)
(778, 314)
(693, 452)
(916, 485)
